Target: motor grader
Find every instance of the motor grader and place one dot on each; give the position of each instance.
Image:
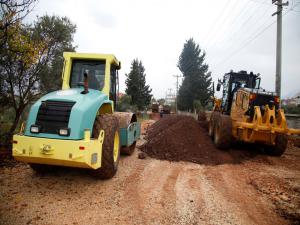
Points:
(247, 113)
(78, 126)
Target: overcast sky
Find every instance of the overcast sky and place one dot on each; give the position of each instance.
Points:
(235, 34)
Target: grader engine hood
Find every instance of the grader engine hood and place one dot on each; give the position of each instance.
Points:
(66, 109)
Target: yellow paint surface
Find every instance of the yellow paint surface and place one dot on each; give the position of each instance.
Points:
(58, 152)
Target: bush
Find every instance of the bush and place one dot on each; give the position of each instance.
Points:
(291, 109)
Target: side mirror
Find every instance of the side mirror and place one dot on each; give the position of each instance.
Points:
(218, 87)
(119, 66)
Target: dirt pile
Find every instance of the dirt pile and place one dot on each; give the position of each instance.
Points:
(145, 125)
(182, 138)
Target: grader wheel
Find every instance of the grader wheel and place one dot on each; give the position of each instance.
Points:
(211, 123)
(280, 146)
(110, 147)
(223, 132)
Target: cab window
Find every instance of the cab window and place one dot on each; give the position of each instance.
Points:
(113, 84)
(94, 69)
(245, 101)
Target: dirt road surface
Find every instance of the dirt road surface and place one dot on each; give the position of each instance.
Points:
(253, 190)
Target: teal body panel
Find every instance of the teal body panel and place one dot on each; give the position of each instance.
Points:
(130, 134)
(82, 115)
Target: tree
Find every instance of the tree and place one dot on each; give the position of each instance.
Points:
(136, 85)
(124, 103)
(11, 13)
(59, 31)
(196, 85)
(26, 61)
(161, 101)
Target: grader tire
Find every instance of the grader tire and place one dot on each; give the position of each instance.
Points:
(223, 132)
(128, 150)
(110, 146)
(280, 146)
(211, 123)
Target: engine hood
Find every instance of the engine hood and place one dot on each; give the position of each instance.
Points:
(82, 114)
(260, 91)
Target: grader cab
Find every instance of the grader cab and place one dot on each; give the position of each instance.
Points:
(78, 126)
(248, 113)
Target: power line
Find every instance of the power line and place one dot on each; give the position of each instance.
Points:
(250, 41)
(239, 33)
(223, 22)
(263, 3)
(236, 32)
(294, 5)
(251, 16)
(217, 20)
(177, 87)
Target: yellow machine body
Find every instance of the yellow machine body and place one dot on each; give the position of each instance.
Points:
(263, 127)
(84, 153)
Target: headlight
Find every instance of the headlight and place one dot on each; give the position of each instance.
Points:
(35, 129)
(64, 131)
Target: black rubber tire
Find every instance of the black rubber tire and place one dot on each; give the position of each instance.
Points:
(201, 116)
(42, 168)
(211, 123)
(128, 150)
(280, 146)
(223, 132)
(110, 125)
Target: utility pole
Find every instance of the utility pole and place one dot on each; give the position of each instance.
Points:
(176, 76)
(278, 43)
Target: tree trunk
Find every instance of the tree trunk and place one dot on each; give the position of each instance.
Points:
(9, 134)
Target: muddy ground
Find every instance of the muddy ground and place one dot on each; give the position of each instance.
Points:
(248, 189)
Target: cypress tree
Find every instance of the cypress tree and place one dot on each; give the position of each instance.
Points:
(196, 85)
(136, 85)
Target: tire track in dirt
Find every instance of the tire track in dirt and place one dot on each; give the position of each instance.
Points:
(189, 196)
(228, 185)
(217, 207)
(131, 212)
(151, 191)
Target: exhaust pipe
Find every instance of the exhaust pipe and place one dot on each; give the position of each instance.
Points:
(86, 84)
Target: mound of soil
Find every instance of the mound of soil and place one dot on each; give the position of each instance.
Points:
(182, 138)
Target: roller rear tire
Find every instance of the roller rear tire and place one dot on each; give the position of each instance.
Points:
(128, 150)
(111, 145)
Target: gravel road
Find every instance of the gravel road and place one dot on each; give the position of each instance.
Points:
(257, 190)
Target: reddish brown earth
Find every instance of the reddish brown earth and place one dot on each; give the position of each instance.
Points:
(247, 187)
(182, 138)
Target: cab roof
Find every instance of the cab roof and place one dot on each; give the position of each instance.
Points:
(109, 57)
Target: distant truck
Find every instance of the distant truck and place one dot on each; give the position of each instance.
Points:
(166, 109)
(154, 107)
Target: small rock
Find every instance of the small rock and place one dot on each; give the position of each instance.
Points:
(141, 155)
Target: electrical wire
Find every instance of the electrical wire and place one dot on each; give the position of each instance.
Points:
(252, 39)
(223, 22)
(217, 21)
(237, 34)
(263, 3)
